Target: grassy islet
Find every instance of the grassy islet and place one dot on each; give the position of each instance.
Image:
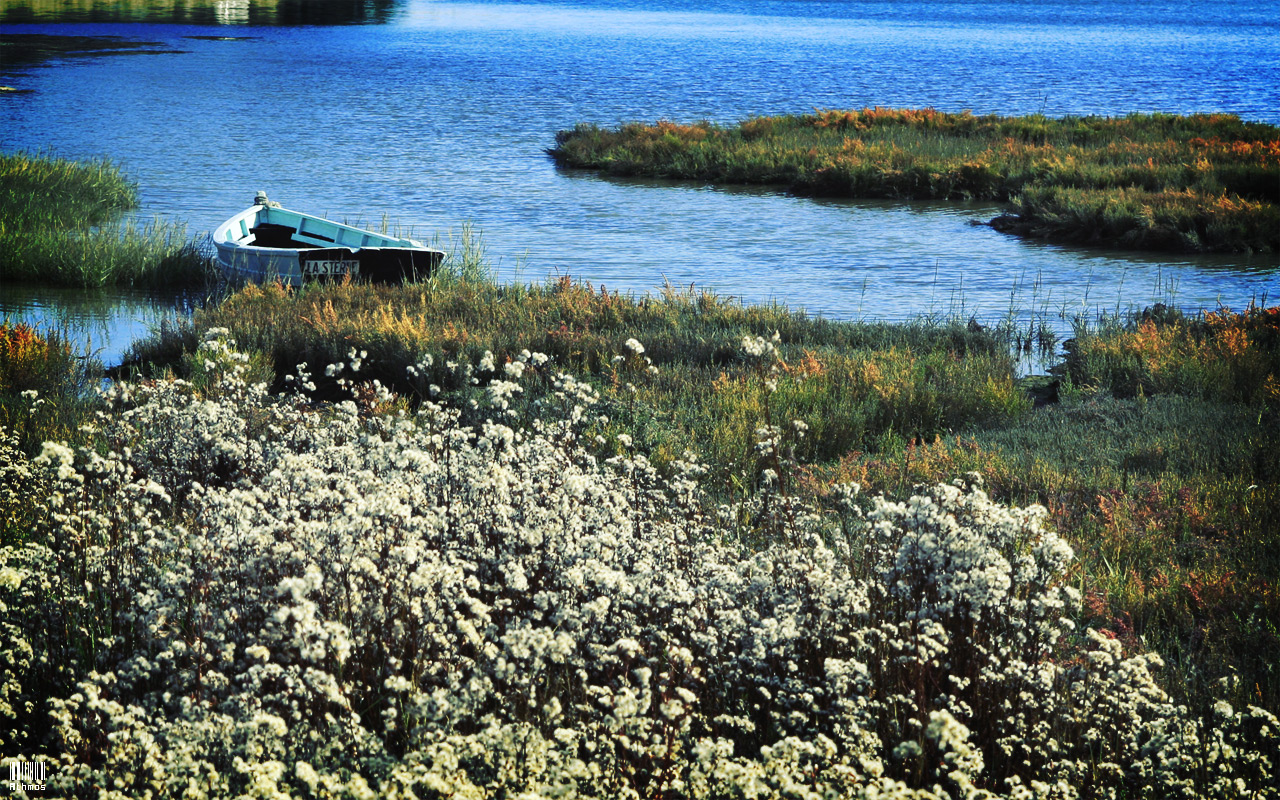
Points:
(1204, 182)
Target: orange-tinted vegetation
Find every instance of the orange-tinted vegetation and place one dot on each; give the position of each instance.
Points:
(1207, 182)
(43, 387)
(28, 360)
(1233, 357)
(1162, 467)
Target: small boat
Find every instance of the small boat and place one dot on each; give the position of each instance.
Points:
(269, 243)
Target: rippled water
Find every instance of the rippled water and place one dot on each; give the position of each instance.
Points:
(435, 113)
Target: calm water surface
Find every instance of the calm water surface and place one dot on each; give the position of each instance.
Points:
(438, 113)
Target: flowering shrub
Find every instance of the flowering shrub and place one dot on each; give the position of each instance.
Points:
(246, 594)
(24, 498)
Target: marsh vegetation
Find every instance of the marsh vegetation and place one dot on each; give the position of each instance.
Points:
(61, 223)
(1205, 182)
(463, 539)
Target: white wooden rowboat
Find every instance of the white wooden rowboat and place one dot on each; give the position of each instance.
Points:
(269, 243)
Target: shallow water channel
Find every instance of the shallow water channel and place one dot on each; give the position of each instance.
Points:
(435, 114)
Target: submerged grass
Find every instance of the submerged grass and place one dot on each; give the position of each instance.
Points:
(1205, 182)
(59, 223)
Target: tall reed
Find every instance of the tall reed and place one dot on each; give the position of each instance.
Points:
(125, 253)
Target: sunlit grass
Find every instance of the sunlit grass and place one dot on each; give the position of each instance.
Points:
(60, 223)
(477, 602)
(40, 191)
(114, 254)
(1158, 466)
(857, 381)
(1201, 182)
(1162, 467)
(1232, 357)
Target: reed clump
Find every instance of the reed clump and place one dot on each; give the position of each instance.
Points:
(60, 223)
(1204, 182)
(1220, 355)
(45, 191)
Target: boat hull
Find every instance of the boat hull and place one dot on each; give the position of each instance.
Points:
(266, 243)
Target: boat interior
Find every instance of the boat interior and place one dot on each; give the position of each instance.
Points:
(270, 234)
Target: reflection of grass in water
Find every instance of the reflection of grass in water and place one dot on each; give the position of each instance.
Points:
(200, 12)
(101, 322)
(32, 48)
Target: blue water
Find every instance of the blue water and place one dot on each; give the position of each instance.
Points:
(438, 113)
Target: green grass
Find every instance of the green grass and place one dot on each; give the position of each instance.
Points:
(1162, 467)
(1170, 504)
(1206, 182)
(855, 381)
(59, 223)
(43, 191)
(115, 254)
